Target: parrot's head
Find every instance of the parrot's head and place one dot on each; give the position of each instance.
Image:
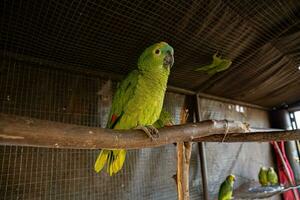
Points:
(271, 169)
(230, 178)
(263, 169)
(159, 56)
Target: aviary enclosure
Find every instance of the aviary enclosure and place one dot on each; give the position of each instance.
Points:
(62, 61)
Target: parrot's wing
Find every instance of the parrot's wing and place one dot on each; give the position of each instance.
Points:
(121, 98)
(165, 119)
(206, 67)
(218, 64)
(225, 64)
(272, 177)
(215, 62)
(263, 177)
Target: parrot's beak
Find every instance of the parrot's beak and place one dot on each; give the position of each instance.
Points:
(169, 59)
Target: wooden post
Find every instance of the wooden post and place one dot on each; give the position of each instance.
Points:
(202, 155)
(180, 161)
(186, 169)
(184, 150)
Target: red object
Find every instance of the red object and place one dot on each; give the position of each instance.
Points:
(114, 118)
(283, 178)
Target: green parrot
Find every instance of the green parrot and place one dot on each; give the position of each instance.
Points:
(226, 188)
(165, 119)
(138, 101)
(272, 176)
(263, 176)
(218, 64)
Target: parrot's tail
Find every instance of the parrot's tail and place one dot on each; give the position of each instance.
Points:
(114, 159)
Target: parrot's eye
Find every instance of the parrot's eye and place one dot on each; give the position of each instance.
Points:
(157, 51)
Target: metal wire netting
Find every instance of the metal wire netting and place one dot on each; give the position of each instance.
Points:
(110, 35)
(38, 91)
(39, 173)
(51, 49)
(55, 95)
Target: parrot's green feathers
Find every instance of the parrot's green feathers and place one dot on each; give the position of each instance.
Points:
(226, 188)
(272, 176)
(263, 176)
(218, 64)
(165, 119)
(138, 100)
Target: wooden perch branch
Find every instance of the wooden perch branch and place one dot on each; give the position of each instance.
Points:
(16, 130)
(23, 131)
(254, 136)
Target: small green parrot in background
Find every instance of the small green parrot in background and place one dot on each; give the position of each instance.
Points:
(218, 64)
(263, 176)
(226, 188)
(138, 101)
(165, 119)
(272, 176)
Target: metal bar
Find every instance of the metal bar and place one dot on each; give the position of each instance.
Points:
(202, 155)
(86, 70)
(180, 90)
(203, 164)
(231, 101)
(294, 106)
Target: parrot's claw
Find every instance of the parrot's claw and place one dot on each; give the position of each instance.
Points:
(150, 130)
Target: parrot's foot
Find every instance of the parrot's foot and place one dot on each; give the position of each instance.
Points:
(226, 130)
(150, 130)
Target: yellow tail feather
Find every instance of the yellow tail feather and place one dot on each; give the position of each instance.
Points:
(119, 158)
(101, 160)
(113, 158)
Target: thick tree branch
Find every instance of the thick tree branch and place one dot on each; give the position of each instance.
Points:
(16, 130)
(23, 131)
(255, 135)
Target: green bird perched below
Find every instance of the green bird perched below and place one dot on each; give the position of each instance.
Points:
(226, 188)
(138, 101)
(263, 176)
(218, 64)
(165, 119)
(272, 176)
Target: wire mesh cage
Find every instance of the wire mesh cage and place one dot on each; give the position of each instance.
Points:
(109, 35)
(59, 95)
(61, 61)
